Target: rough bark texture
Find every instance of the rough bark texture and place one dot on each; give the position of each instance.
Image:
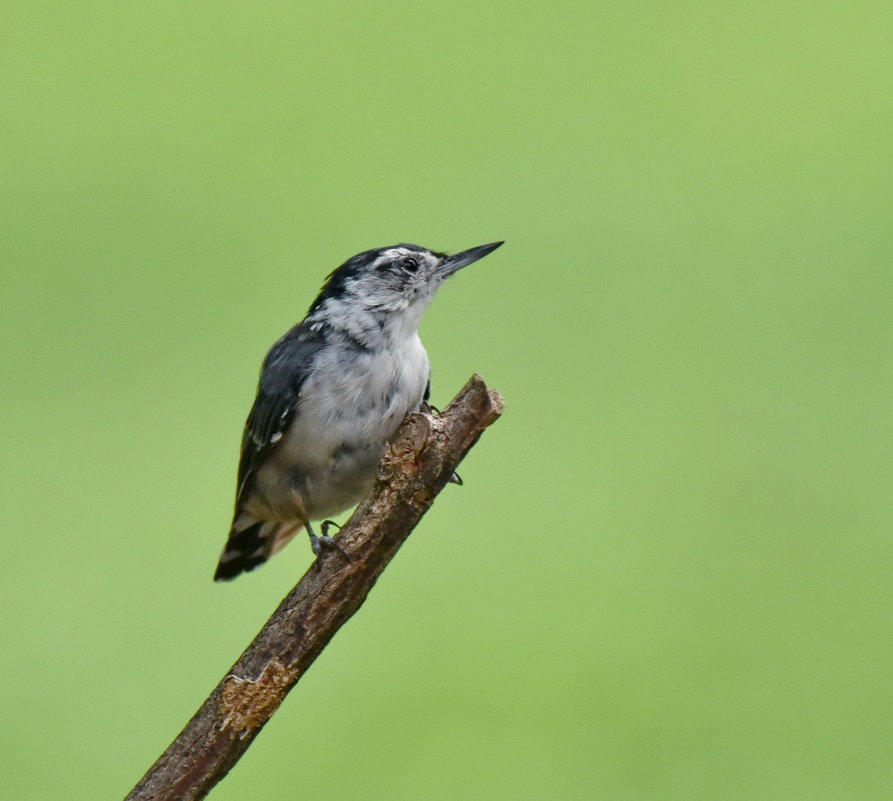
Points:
(427, 450)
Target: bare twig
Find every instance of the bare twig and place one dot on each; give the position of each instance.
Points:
(413, 471)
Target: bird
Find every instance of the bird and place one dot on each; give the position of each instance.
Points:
(332, 392)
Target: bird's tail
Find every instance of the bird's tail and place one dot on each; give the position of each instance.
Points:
(248, 547)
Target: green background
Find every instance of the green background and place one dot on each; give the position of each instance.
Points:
(668, 574)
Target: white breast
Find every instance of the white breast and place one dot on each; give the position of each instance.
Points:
(351, 405)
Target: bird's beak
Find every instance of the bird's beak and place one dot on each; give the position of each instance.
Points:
(456, 262)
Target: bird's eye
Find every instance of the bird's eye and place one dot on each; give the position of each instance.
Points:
(409, 264)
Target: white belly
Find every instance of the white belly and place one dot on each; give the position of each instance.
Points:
(348, 409)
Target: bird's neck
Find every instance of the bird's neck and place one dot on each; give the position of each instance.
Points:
(372, 329)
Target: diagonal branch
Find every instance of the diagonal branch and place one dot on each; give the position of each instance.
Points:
(419, 464)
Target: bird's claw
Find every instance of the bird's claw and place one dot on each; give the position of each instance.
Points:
(455, 478)
(326, 543)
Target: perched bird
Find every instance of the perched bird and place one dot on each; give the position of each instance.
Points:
(332, 392)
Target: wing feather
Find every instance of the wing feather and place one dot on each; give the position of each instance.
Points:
(284, 371)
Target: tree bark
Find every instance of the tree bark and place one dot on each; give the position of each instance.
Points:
(414, 469)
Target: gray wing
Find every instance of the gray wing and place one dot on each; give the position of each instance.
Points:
(284, 371)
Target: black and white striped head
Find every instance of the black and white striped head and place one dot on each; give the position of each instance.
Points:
(392, 279)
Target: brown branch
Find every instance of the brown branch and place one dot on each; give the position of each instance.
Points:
(413, 471)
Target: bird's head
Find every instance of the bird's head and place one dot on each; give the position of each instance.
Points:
(395, 281)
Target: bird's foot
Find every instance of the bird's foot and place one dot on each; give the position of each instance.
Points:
(325, 542)
(320, 544)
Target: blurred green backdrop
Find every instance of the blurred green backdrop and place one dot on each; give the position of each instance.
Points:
(668, 574)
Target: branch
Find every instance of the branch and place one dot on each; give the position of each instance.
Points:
(414, 469)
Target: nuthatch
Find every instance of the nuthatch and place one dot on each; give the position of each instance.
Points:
(332, 392)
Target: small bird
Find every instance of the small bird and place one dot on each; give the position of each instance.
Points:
(332, 392)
